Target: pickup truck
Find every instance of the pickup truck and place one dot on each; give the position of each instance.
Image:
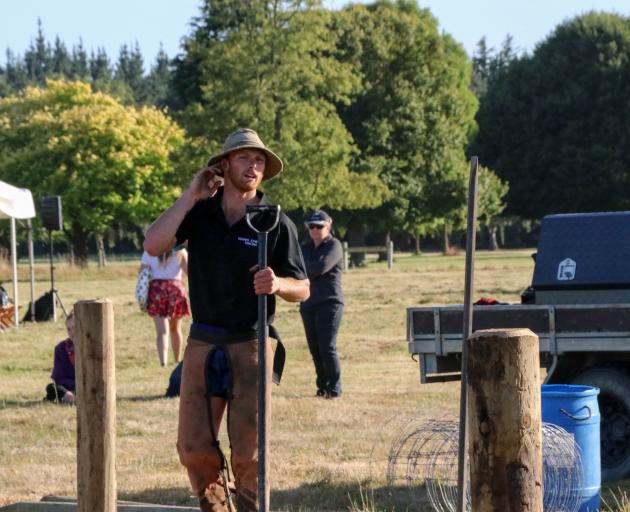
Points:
(579, 306)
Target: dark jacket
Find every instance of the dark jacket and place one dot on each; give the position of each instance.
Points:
(323, 268)
(63, 369)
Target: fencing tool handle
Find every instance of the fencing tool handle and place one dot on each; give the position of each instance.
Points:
(262, 219)
(471, 232)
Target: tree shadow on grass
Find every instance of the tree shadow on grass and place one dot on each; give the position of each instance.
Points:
(147, 398)
(178, 496)
(24, 404)
(356, 497)
(311, 497)
(27, 404)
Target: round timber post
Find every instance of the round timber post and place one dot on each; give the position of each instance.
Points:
(96, 406)
(390, 255)
(504, 421)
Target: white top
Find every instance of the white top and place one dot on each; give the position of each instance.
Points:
(170, 269)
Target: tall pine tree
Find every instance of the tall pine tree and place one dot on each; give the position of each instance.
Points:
(80, 70)
(38, 58)
(157, 82)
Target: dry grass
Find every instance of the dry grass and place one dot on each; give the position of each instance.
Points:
(325, 455)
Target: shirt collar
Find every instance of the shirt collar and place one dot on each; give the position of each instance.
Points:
(215, 202)
(325, 240)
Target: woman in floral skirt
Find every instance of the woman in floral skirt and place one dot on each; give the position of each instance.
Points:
(167, 299)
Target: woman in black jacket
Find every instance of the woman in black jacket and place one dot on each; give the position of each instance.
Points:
(322, 312)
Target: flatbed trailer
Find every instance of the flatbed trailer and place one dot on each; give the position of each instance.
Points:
(578, 306)
(598, 333)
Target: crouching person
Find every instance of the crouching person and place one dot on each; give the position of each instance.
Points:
(61, 390)
(221, 357)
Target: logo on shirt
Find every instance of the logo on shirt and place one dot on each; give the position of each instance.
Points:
(248, 241)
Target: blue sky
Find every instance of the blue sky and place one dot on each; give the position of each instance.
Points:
(111, 23)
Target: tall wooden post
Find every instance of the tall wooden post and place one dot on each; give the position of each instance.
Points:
(346, 256)
(96, 406)
(504, 421)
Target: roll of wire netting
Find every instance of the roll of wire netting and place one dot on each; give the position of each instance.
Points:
(423, 455)
(562, 470)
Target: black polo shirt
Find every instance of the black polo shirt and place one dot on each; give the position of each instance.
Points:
(221, 264)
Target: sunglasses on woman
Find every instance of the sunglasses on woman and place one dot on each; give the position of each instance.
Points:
(315, 226)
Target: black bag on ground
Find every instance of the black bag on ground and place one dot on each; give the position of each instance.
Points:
(43, 309)
(174, 381)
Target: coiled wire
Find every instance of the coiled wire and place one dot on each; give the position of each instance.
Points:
(423, 455)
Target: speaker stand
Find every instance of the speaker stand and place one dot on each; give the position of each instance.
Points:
(54, 293)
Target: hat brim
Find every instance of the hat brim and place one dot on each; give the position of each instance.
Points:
(273, 165)
(315, 222)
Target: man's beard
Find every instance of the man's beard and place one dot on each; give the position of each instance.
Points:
(238, 183)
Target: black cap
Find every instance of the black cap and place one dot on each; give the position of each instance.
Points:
(318, 217)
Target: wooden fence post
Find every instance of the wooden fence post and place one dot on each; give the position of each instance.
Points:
(390, 255)
(504, 419)
(346, 256)
(96, 406)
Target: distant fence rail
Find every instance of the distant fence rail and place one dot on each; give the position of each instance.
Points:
(389, 249)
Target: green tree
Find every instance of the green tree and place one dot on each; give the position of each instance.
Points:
(215, 21)
(555, 124)
(38, 57)
(482, 60)
(156, 87)
(61, 62)
(15, 71)
(80, 69)
(5, 87)
(130, 71)
(100, 68)
(413, 114)
(110, 163)
(103, 80)
(271, 66)
(491, 193)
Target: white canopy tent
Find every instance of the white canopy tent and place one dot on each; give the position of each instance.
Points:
(17, 203)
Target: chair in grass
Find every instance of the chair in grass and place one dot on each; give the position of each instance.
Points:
(6, 316)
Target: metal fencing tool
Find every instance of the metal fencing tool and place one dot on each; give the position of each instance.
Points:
(471, 231)
(262, 219)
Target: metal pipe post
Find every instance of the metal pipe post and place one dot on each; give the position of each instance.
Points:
(471, 232)
(52, 277)
(16, 300)
(263, 332)
(31, 259)
(263, 328)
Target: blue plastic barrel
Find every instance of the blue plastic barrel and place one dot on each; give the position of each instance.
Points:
(575, 409)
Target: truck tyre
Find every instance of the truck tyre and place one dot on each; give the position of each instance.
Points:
(614, 407)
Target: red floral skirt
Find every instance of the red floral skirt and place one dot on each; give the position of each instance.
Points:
(167, 298)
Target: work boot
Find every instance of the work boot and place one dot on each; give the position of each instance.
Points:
(214, 499)
(246, 501)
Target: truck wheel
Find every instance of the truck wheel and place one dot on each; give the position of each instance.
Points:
(614, 407)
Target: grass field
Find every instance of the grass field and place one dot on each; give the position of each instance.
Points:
(326, 455)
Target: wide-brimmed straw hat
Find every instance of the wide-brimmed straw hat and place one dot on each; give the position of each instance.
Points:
(245, 138)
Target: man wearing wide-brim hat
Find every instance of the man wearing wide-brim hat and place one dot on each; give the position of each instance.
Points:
(220, 361)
